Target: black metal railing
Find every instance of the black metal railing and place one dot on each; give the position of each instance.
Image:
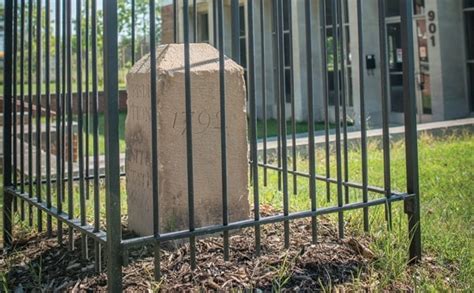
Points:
(45, 177)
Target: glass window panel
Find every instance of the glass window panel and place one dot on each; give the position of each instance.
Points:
(330, 52)
(394, 43)
(419, 6)
(468, 3)
(470, 68)
(331, 87)
(242, 20)
(203, 28)
(332, 93)
(243, 43)
(346, 11)
(392, 8)
(425, 87)
(243, 53)
(422, 36)
(287, 49)
(288, 85)
(348, 45)
(396, 92)
(286, 15)
(349, 93)
(328, 12)
(470, 34)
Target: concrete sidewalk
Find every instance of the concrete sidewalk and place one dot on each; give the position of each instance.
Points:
(396, 133)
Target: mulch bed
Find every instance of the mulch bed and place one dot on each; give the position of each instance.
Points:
(41, 263)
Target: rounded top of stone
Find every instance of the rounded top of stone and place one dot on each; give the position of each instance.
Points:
(170, 58)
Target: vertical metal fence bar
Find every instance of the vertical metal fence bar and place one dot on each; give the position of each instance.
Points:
(264, 91)
(363, 121)
(87, 99)
(253, 122)
(114, 229)
(311, 94)
(195, 31)
(14, 99)
(235, 28)
(38, 72)
(223, 117)
(59, 114)
(342, 35)
(282, 100)
(292, 96)
(236, 51)
(189, 134)
(132, 49)
(412, 207)
(80, 125)
(214, 21)
(337, 103)
(7, 124)
(277, 87)
(49, 225)
(95, 133)
(385, 110)
(30, 109)
(324, 63)
(70, 153)
(22, 107)
(154, 139)
(175, 20)
(80, 130)
(63, 101)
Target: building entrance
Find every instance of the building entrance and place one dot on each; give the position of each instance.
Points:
(422, 67)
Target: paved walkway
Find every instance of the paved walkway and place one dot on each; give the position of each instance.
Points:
(396, 132)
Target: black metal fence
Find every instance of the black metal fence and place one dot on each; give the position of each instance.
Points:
(50, 166)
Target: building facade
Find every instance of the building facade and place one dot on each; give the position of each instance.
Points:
(444, 48)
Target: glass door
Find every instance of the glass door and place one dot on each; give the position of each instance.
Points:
(422, 68)
(395, 67)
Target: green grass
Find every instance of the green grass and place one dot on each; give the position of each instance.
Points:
(272, 127)
(446, 172)
(447, 190)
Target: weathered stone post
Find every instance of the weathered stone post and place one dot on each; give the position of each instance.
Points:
(172, 140)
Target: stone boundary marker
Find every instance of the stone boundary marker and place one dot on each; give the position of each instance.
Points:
(173, 196)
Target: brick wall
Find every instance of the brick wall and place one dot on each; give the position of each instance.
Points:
(122, 102)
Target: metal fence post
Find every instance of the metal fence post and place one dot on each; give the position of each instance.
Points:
(7, 125)
(412, 206)
(112, 168)
(235, 28)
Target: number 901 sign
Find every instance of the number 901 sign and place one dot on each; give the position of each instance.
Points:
(432, 27)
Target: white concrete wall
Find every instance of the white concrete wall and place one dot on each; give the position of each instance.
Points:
(453, 59)
(371, 46)
(446, 60)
